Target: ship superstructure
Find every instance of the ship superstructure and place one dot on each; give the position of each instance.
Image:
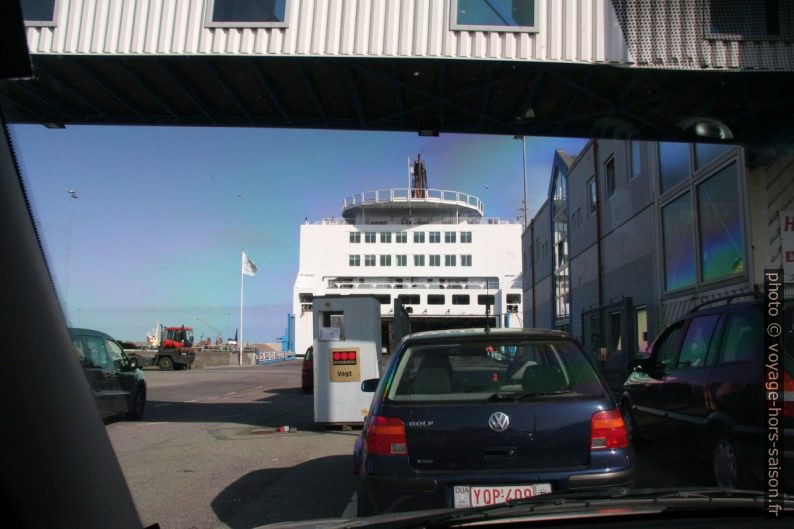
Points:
(433, 249)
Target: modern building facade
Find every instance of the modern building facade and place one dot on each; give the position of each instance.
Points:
(430, 249)
(635, 234)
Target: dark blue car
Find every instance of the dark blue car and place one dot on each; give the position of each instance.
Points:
(467, 417)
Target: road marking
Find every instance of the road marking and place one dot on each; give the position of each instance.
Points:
(162, 405)
(153, 423)
(350, 510)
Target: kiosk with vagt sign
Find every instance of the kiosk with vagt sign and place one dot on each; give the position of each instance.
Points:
(347, 350)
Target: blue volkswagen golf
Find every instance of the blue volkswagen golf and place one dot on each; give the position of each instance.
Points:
(466, 418)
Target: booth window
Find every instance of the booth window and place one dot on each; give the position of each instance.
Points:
(435, 299)
(494, 15)
(485, 299)
(460, 299)
(246, 14)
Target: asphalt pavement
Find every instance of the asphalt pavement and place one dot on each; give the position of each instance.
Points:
(208, 452)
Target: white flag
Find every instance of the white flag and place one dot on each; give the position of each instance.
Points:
(249, 268)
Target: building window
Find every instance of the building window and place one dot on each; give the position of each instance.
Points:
(449, 236)
(465, 260)
(385, 260)
(383, 299)
(355, 237)
(449, 260)
(400, 237)
(609, 169)
(435, 299)
(385, 236)
(485, 299)
(707, 152)
(370, 236)
(560, 246)
(369, 260)
(592, 195)
(465, 237)
(460, 299)
(720, 226)
(435, 236)
(758, 19)
(409, 299)
(513, 299)
(435, 260)
(494, 15)
(419, 260)
(419, 236)
(636, 163)
(354, 260)
(673, 164)
(402, 260)
(641, 330)
(678, 244)
(244, 13)
(38, 12)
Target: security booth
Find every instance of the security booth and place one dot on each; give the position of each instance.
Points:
(347, 350)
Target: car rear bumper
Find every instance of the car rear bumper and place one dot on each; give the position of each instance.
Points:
(393, 494)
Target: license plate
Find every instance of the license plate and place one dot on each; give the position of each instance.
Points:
(471, 496)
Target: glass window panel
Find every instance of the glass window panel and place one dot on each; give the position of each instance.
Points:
(636, 163)
(738, 342)
(679, 246)
(511, 13)
(641, 319)
(706, 152)
(666, 348)
(697, 340)
(721, 247)
(38, 10)
(355, 237)
(673, 164)
(248, 11)
(385, 236)
(460, 299)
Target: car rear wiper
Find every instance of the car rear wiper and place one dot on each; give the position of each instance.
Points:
(528, 394)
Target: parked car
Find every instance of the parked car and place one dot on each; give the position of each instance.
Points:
(116, 381)
(307, 371)
(467, 417)
(700, 390)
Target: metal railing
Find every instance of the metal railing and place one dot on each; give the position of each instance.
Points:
(417, 221)
(407, 195)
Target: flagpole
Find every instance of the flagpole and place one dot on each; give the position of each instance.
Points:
(240, 344)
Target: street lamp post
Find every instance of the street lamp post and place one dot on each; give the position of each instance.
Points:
(524, 158)
(68, 250)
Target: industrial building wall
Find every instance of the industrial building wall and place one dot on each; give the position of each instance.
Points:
(579, 31)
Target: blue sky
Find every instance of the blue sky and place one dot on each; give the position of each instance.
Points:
(163, 212)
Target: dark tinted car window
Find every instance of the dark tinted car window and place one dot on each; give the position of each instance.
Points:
(96, 354)
(116, 354)
(78, 346)
(697, 340)
(737, 342)
(479, 371)
(666, 348)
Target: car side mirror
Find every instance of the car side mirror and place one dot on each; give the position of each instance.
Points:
(640, 365)
(133, 363)
(369, 385)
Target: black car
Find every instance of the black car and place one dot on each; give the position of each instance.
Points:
(116, 382)
(467, 417)
(700, 390)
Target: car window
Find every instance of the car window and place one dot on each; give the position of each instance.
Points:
(78, 347)
(666, 347)
(116, 355)
(697, 341)
(737, 341)
(309, 354)
(480, 371)
(96, 353)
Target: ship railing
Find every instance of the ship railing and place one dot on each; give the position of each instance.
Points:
(444, 196)
(416, 221)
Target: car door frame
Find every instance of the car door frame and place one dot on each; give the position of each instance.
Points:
(100, 378)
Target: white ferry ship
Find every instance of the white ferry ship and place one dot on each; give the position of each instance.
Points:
(431, 249)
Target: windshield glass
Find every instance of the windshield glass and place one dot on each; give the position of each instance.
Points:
(486, 370)
(282, 215)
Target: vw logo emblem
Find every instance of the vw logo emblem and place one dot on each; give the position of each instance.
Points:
(499, 421)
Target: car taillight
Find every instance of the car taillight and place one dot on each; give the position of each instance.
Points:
(386, 436)
(608, 431)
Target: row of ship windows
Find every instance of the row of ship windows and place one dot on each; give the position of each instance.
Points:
(402, 236)
(402, 260)
(441, 299)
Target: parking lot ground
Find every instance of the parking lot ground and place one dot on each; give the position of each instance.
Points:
(208, 454)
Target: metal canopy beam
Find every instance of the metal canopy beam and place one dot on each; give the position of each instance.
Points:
(355, 96)
(67, 86)
(113, 92)
(267, 87)
(230, 93)
(174, 77)
(307, 83)
(143, 87)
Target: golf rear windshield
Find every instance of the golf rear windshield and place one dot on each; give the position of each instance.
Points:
(482, 370)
